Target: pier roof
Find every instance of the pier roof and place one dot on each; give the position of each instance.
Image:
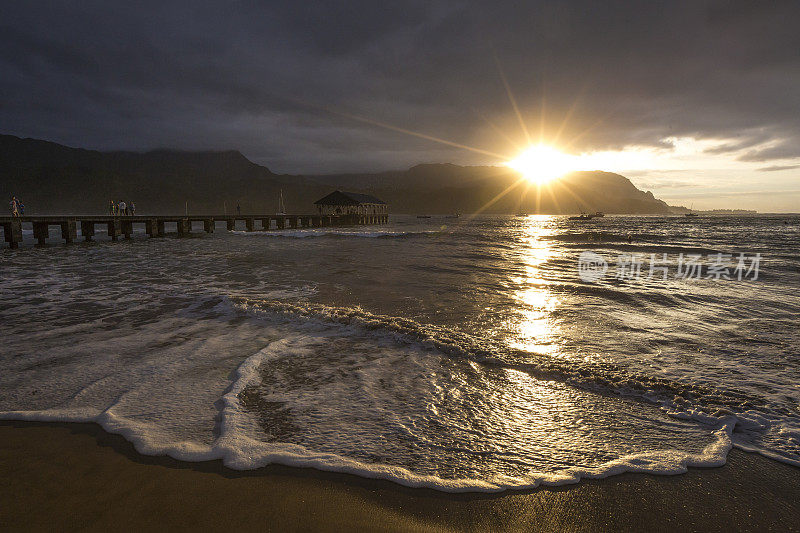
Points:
(348, 198)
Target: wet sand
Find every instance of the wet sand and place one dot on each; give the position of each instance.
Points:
(76, 476)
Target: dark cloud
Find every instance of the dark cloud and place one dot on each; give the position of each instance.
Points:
(747, 139)
(731, 194)
(778, 168)
(282, 80)
(781, 150)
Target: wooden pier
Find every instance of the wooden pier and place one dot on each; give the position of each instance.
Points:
(154, 225)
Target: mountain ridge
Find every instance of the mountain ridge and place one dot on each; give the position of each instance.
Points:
(53, 178)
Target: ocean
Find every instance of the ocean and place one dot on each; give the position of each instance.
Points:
(481, 353)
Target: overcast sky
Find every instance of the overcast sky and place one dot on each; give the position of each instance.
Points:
(707, 95)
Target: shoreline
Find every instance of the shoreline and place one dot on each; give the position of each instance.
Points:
(76, 475)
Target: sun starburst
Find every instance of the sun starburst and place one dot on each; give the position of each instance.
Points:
(541, 163)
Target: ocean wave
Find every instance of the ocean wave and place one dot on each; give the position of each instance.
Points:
(238, 447)
(731, 419)
(700, 402)
(607, 236)
(311, 233)
(242, 453)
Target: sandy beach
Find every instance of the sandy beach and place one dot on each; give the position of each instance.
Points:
(78, 477)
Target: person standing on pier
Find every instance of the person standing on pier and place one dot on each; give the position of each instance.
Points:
(112, 208)
(133, 209)
(123, 208)
(14, 206)
(238, 209)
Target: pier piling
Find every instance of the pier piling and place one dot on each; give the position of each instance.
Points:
(87, 230)
(152, 228)
(114, 229)
(69, 231)
(126, 228)
(184, 227)
(41, 231)
(12, 230)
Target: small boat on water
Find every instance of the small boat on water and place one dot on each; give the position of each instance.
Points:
(690, 215)
(521, 215)
(423, 216)
(454, 215)
(583, 217)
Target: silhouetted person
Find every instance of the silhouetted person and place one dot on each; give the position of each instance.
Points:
(133, 209)
(122, 208)
(238, 209)
(111, 208)
(14, 206)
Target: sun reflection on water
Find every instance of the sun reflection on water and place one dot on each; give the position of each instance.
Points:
(535, 329)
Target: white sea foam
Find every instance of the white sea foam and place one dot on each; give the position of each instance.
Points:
(127, 402)
(239, 447)
(308, 233)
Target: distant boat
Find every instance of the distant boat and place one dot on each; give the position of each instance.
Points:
(281, 206)
(690, 215)
(521, 215)
(423, 216)
(454, 215)
(587, 216)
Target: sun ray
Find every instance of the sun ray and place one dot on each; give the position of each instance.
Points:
(568, 116)
(497, 197)
(512, 99)
(539, 197)
(417, 134)
(398, 129)
(497, 130)
(542, 114)
(596, 124)
(579, 200)
(522, 197)
(555, 199)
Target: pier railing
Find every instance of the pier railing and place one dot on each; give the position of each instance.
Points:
(122, 226)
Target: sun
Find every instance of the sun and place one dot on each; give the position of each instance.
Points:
(541, 164)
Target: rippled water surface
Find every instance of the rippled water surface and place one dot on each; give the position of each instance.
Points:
(461, 354)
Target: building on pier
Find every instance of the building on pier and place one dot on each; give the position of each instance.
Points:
(351, 203)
